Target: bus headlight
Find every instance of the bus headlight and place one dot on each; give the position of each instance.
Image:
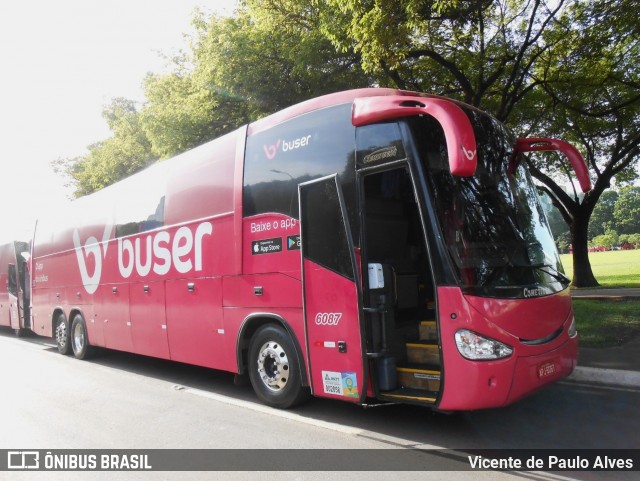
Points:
(573, 330)
(478, 348)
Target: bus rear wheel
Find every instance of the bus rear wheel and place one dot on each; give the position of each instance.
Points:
(274, 368)
(62, 334)
(79, 339)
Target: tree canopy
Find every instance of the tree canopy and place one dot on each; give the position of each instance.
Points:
(626, 212)
(561, 68)
(602, 216)
(237, 70)
(126, 152)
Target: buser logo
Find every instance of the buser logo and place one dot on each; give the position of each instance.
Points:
(271, 150)
(91, 248)
(287, 145)
(469, 154)
(161, 252)
(157, 252)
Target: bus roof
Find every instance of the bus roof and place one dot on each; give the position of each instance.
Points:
(330, 100)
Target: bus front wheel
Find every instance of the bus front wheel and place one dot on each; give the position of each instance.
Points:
(274, 369)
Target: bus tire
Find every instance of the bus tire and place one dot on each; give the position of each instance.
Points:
(274, 368)
(62, 334)
(79, 338)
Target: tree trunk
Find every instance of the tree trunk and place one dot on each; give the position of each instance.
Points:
(582, 273)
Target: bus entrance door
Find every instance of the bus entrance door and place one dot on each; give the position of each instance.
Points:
(14, 298)
(399, 301)
(331, 293)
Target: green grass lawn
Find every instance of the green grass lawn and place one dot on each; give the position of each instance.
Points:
(608, 322)
(612, 269)
(603, 323)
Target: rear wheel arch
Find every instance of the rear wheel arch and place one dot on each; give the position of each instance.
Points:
(54, 318)
(73, 313)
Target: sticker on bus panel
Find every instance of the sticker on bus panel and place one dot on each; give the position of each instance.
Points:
(349, 384)
(266, 246)
(293, 243)
(340, 383)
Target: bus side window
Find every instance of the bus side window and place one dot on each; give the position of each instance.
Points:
(379, 144)
(324, 232)
(12, 284)
(128, 223)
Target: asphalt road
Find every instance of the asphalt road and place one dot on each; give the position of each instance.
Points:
(122, 401)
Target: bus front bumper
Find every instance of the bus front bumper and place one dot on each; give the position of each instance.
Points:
(534, 372)
(471, 385)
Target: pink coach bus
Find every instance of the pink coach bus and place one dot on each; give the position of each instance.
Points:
(373, 245)
(14, 286)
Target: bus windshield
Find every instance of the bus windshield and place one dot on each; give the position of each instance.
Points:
(493, 224)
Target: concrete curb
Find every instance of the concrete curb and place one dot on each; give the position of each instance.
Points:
(596, 297)
(611, 377)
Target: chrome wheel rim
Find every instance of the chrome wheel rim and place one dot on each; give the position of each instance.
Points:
(61, 333)
(273, 366)
(78, 338)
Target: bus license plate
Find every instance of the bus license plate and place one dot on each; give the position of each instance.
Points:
(546, 369)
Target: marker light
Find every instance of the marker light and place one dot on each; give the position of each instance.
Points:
(477, 348)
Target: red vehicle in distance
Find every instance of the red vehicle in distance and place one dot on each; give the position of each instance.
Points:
(15, 286)
(373, 245)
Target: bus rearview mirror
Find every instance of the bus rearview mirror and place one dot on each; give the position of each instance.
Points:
(458, 132)
(542, 144)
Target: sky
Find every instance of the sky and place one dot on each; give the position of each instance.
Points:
(61, 62)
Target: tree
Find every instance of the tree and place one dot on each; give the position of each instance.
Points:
(563, 68)
(239, 70)
(593, 99)
(626, 211)
(110, 160)
(602, 216)
(608, 240)
(634, 239)
(482, 52)
(181, 113)
(560, 68)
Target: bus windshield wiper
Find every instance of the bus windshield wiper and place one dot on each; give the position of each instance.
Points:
(559, 276)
